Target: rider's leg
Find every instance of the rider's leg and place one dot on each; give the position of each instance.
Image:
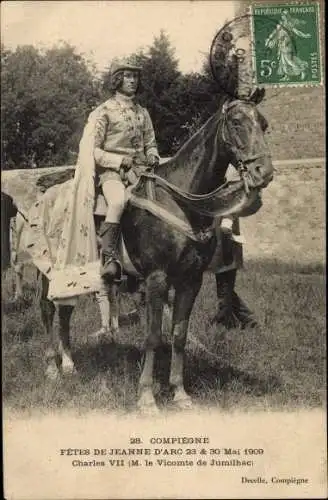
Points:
(114, 193)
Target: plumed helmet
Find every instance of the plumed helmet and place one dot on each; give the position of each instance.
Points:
(121, 64)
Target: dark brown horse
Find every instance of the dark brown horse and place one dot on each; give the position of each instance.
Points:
(8, 211)
(165, 256)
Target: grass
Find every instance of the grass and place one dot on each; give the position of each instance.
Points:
(280, 366)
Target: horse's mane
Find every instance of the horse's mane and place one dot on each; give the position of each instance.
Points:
(186, 150)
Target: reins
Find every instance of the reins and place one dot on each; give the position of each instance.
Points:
(185, 195)
(241, 168)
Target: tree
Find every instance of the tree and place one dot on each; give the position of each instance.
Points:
(46, 97)
(159, 77)
(196, 99)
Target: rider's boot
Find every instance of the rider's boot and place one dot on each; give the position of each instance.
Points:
(111, 267)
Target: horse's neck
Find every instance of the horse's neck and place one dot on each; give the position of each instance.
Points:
(200, 165)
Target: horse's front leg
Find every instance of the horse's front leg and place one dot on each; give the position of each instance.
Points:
(16, 233)
(156, 290)
(108, 302)
(185, 295)
(67, 364)
(18, 269)
(114, 304)
(47, 316)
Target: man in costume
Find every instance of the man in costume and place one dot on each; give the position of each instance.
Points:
(124, 140)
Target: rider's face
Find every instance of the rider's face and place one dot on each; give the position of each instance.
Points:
(130, 82)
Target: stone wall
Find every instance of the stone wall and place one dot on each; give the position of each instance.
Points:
(296, 122)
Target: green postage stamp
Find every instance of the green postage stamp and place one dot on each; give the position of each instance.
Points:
(286, 44)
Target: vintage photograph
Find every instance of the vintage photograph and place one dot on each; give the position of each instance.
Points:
(163, 249)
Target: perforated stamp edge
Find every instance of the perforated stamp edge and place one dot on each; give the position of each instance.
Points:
(250, 14)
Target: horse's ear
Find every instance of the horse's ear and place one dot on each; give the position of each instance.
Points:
(224, 107)
(258, 95)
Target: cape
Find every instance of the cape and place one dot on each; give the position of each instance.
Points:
(60, 235)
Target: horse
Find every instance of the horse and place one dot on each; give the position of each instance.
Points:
(170, 246)
(12, 229)
(8, 213)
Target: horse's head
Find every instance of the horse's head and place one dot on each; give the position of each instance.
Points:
(243, 135)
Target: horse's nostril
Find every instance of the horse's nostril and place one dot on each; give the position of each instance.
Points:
(257, 171)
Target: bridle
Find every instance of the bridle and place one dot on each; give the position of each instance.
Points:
(242, 162)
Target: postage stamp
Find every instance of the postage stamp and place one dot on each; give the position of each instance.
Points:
(286, 44)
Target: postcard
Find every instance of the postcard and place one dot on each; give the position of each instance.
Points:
(163, 256)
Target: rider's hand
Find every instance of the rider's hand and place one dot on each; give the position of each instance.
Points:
(152, 160)
(127, 162)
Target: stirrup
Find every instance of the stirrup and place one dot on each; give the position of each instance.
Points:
(108, 260)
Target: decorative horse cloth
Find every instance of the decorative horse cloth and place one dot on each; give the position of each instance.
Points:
(62, 237)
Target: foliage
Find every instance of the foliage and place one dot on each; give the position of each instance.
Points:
(196, 98)
(46, 97)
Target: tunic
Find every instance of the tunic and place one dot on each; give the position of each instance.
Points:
(123, 128)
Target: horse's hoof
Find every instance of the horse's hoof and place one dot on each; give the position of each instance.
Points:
(52, 373)
(147, 405)
(150, 410)
(103, 387)
(68, 367)
(114, 334)
(183, 404)
(182, 401)
(69, 371)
